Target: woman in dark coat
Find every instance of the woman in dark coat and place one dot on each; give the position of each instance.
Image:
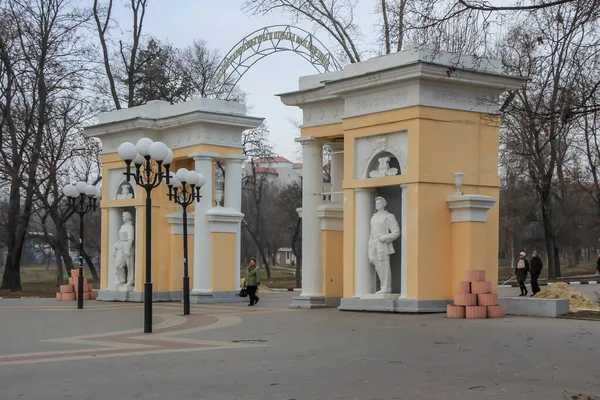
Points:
(521, 270)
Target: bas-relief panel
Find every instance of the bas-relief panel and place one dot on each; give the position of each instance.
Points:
(381, 100)
(182, 137)
(323, 114)
(456, 98)
(440, 95)
(118, 187)
(210, 134)
(366, 149)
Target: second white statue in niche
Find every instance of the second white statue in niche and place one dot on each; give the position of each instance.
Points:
(124, 254)
(125, 192)
(384, 230)
(384, 169)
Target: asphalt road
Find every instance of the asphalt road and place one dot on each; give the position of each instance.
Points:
(49, 350)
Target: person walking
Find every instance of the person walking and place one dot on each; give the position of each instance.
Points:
(521, 272)
(535, 271)
(598, 266)
(252, 282)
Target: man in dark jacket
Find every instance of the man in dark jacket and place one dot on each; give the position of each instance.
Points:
(536, 266)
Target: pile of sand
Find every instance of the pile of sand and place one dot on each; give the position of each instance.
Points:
(560, 290)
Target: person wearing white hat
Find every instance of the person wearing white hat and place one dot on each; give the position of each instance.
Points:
(521, 272)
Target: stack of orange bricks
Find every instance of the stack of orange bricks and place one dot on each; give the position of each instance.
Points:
(475, 299)
(70, 292)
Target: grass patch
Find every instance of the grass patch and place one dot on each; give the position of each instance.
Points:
(587, 268)
(39, 282)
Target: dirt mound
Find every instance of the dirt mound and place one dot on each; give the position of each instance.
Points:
(560, 290)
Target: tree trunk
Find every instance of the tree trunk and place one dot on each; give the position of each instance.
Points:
(11, 278)
(548, 239)
(90, 264)
(260, 251)
(297, 253)
(557, 273)
(60, 277)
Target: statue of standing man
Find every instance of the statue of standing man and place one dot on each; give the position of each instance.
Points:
(384, 230)
(124, 252)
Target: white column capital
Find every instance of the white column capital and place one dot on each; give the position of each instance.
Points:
(223, 219)
(235, 158)
(309, 141)
(203, 155)
(331, 216)
(470, 207)
(175, 220)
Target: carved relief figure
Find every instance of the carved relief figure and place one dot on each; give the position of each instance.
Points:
(384, 230)
(124, 254)
(126, 192)
(384, 168)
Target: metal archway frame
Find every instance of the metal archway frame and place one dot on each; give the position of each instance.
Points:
(264, 42)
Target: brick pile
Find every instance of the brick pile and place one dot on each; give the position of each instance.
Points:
(475, 299)
(70, 292)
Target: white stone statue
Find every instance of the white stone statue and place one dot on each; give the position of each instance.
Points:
(384, 230)
(124, 254)
(125, 192)
(383, 169)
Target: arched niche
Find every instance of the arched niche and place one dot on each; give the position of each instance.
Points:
(383, 164)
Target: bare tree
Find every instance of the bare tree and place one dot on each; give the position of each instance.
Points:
(535, 122)
(392, 27)
(256, 189)
(125, 70)
(335, 17)
(290, 199)
(43, 56)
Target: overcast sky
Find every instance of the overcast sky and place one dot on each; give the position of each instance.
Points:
(221, 23)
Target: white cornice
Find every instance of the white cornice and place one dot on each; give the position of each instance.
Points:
(192, 118)
(470, 207)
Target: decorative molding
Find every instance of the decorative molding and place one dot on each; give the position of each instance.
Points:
(368, 148)
(323, 114)
(470, 207)
(175, 220)
(115, 180)
(223, 219)
(203, 155)
(331, 216)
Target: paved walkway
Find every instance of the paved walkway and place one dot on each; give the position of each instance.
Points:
(50, 350)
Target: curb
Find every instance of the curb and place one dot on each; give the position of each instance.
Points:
(516, 284)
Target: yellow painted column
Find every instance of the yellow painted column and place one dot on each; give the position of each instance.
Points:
(223, 261)
(104, 250)
(468, 249)
(331, 217)
(223, 225)
(469, 235)
(348, 243)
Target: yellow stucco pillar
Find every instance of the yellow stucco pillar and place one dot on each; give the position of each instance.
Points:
(331, 217)
(469, 235)
(223, 225)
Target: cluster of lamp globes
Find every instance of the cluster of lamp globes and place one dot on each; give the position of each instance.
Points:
(73, 191)
(183, 176)
(143, 151)
(146, 149)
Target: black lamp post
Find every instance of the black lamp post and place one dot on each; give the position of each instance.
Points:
(82, 199)
(184, 189)
(151, 161)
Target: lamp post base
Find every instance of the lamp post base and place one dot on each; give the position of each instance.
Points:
(148, 307)
(186, 295)
(80, 289)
